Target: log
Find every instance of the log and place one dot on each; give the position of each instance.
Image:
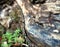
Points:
(35, 16)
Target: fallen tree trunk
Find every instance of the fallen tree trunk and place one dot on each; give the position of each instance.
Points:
(39, 22)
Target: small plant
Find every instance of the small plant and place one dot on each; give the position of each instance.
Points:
(9, 38)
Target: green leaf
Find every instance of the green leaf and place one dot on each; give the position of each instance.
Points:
(4, 44)
(20, 40)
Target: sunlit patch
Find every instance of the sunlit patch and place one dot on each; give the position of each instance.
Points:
(56, 31)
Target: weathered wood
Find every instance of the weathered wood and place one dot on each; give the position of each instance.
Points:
(36, 19)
